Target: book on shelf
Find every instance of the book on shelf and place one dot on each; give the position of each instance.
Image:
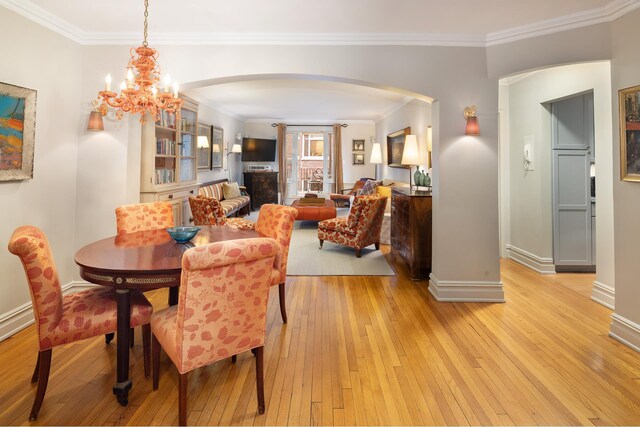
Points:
(165, 147)
(167, 120)
(165, 176)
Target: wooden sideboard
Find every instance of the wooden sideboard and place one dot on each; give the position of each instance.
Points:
(262, 188)
(411, 213)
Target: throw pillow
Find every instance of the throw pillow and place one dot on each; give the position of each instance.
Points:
(230, 190)
(370, 187)
(384, 191)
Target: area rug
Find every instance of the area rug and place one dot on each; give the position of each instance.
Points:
(306, 259)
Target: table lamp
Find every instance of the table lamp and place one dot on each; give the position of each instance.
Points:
(410, 154)
(376, 155)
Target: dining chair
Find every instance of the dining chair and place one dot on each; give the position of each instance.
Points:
(144, 217)
(69, 318)
(208, 211)
(360, 229)
(276, 221)
(221, 310)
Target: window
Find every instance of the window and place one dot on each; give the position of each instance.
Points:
(312, 146)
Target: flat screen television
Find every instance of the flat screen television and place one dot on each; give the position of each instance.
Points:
(258, 150)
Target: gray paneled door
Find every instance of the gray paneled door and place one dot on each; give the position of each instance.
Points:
(572, 137)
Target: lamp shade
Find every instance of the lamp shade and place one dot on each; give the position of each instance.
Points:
(95, 122)
(237, 148)
(203, 142)
(376, 153)
(472, 126)
(410, 154)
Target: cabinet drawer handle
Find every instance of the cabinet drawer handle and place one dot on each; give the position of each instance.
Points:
(170, 196)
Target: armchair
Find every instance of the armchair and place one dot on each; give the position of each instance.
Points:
(344, 200)
(360, 229)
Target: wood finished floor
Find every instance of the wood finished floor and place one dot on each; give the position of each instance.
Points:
(369, 351)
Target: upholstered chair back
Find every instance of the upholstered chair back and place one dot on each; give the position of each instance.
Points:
(369, 212)
(144, 217)
(32, 247)
(276, 221)
(222, 306)
(207, 211)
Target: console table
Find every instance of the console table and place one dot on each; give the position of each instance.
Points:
(262, 188)
(411, 213)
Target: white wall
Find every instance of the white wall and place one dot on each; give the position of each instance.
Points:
(417, 115)
(625, 72)
(38, 59)
(529, 193)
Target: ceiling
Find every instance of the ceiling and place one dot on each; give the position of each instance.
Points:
(215, 21)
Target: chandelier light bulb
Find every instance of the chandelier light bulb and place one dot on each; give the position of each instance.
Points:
(175, 89)
(123, 85)
(107, 83)
(154, 91)
(167, 83)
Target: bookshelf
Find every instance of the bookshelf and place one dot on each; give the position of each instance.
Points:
(168, 161)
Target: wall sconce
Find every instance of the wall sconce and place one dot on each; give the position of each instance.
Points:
(410, 154)
(429, 146)
(472, 121)
(376, 155)
(95, 118)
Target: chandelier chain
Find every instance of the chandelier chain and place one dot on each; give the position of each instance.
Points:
(146, 16)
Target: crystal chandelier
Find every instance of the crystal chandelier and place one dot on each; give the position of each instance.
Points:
(138, 93)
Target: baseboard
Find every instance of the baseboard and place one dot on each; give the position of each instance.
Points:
(604, 294)
(19, 318)
(625, 331)
(534, 262)
(461, 291)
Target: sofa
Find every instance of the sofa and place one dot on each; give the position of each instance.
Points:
(237, 206)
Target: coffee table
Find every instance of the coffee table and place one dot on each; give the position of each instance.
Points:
(315, 213)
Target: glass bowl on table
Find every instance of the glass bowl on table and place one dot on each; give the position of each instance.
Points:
(183, 234)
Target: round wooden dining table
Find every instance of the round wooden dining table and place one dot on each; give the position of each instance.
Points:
(143, 261)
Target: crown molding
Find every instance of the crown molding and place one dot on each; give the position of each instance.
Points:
(607, 13)
(404, 101)
(311, 121)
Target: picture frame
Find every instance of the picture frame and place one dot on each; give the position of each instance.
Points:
(358, 158)
(629, 107)
(358, 144)
(17, 132)
(204, 152)
(217, 147)
(395, 147)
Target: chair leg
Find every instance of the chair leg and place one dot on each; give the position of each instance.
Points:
(109, 337)
(358, 253)
(283, 307)
(155, 353)
(377, 246)
(182, 399)
(146, 349)
(321, 242)
(132, 335)
(36, 371)
(234, 358)
(260, 379)
(44, 362)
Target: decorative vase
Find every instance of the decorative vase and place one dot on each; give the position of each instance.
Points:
(417, 176)
(427, 180)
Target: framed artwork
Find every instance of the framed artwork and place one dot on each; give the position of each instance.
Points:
(395, 147)
(629, 133)
(358, 158)
(204, 146)
(17, 132)
(358, 145)
(217, 136)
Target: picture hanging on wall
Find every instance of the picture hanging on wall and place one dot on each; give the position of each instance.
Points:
(358, 145)
(17, 132)
(629, 104)
(358, 159)
(216, 147)
(395, 147)
(204, 146)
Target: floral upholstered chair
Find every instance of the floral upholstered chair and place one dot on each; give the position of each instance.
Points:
(208, 211)
(276, 221)
(65, 319)
(221, 311)
(144, 217)
(360, 229)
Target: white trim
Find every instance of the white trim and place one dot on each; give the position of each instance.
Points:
(625, 331)
(534, 262)
(21, 317)
(465, 291)
(404, 101)
(607, 13)
(604, 294)
(312, 122)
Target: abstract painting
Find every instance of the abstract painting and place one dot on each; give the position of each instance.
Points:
(17, 132)
(629, 100)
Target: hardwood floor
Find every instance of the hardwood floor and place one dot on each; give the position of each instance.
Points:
(369, 351)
